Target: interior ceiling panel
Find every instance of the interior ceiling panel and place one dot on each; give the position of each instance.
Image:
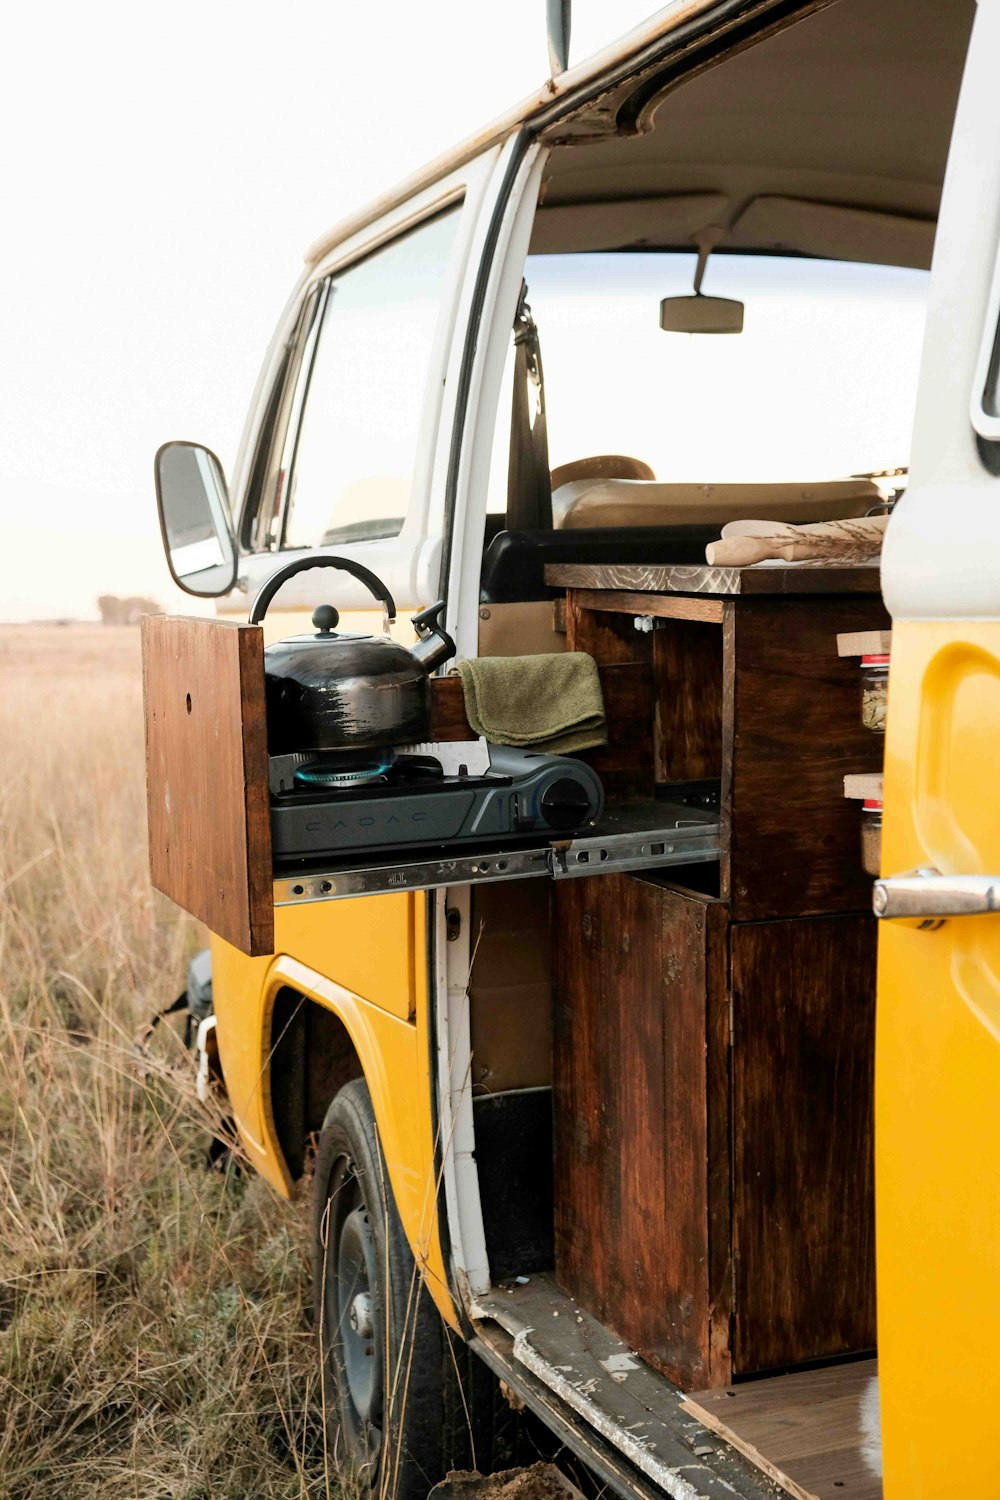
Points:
(852, 105)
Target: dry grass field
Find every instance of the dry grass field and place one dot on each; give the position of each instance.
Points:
(153, 1340)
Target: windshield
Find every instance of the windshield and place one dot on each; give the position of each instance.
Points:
(821, 384)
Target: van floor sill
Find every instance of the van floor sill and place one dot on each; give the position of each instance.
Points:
(630, 1406)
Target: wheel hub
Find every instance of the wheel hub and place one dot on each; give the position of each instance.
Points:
(357, 1305)
(361, 1315)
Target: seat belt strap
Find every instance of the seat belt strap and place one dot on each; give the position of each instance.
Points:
(529, 487)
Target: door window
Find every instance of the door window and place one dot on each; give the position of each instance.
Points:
(261, 524)
(365, 389)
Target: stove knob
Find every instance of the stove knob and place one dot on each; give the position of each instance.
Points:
(565, 804)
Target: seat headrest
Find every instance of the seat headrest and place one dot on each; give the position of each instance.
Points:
(602, 466)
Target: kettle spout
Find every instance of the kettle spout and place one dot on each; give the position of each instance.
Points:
(435, 644)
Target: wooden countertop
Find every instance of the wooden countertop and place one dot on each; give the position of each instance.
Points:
(799, 578)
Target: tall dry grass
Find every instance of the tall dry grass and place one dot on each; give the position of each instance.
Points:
(152, 1332)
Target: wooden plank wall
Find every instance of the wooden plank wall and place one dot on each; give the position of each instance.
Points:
(687, 671)
(791, 729)
(803, 1079)
(628, 766)
(635, 1198)
(206, 774)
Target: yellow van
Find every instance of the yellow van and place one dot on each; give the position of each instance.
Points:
(543, 924)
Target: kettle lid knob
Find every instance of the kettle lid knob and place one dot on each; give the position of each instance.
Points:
(325, 618)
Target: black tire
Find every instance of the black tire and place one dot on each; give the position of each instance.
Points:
(392, 1372)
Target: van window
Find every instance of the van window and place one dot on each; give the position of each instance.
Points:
(821, 384)
(356, 445)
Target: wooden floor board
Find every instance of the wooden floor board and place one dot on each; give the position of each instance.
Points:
(805, 1430)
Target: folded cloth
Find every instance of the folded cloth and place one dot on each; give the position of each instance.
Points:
(551, 702)
(747, 542)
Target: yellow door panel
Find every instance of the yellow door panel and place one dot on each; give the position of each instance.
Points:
(937, 1092)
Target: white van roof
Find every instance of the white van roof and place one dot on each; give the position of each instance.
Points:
(573, 80)
(849, 166)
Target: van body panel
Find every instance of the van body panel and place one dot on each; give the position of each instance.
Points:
(377, 948)
(937, 1074)
(938, 1069)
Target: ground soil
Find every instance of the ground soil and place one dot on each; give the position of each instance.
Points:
(539, 1482)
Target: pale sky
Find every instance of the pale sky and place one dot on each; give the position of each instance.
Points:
(164, 167)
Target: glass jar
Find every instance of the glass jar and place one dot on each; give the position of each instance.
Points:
(874, 692)
(871, 836)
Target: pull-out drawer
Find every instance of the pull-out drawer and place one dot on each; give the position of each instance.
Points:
(209, 806)
(630, 836)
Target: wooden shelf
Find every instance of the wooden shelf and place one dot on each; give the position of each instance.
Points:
(660, 606)
(864, 643)
(761, 579)
(747, 690)
(864, 787)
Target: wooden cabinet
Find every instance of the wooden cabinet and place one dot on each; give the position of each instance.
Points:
(750, 691)
(713, 1116)
(713, 1048)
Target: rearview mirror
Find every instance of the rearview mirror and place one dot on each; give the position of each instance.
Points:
(700, 314)
(195, 524)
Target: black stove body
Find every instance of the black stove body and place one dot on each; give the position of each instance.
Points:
(413, 803)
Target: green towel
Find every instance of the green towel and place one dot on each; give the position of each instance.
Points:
(549, 702)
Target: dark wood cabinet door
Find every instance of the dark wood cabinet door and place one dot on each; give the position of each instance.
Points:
(635, 1191)
(803, 1059)
(206, 774)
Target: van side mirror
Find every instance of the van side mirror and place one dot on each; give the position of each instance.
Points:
(195, 523)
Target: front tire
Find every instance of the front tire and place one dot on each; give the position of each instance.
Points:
(390, 1386)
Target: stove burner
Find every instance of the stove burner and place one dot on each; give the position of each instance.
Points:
(343, 770)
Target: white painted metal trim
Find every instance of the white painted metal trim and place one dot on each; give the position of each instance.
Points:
(401, 561)
(941, 558)
(583, 1396)
(454, 1083)
(203, 1077)
(670, 1481)
(499, 306)
(984, 422)
(461, 1174)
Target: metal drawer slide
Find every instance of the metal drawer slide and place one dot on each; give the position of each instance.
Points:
(630, 837)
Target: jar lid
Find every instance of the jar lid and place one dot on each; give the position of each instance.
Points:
(875, 661)
(872, 804)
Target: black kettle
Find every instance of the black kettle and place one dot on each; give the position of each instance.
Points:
(338, 692)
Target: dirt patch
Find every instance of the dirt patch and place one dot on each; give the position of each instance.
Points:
(539, 1482)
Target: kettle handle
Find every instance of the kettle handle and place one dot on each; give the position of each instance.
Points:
(364, 575)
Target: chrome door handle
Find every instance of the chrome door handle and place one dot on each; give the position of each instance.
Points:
(927, 895)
